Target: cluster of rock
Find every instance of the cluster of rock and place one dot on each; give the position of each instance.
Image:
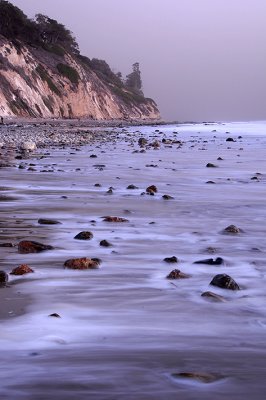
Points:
(222, 280)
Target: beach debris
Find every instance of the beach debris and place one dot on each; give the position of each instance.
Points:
(82, 263)
(132, 187)
(224, 281)
(232, 229)
(84, 235)
(213, 297)
(21, 270)
(177, 274)
(167, 197)
(114, 219)
(29, 246)
(151, 190)
(210, 165)
(105, 243)
(47, 221)
(211, 261)
(3, 278)
(172, 259)
(199, 376)
(55, 315)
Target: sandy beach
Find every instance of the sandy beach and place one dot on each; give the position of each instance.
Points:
(124, 330)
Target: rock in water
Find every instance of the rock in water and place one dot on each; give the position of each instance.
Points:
(47, 221)
(213, 297)
(21, 270)
(114, 219)
(28, 246)
(85, 235)
(224, 281)
(177, 274)
(172, 259)
(199, 376)
(210, 261)
(3, 278)
(151, 189)
(105, 243)
(167, 197)
(82, 263)
(232, 229)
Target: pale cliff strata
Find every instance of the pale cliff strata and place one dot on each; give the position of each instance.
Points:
(30, 85)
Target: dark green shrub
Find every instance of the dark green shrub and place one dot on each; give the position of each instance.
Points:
(69, 72)
(46, 78)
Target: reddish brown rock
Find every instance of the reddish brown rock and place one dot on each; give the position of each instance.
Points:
(82, 263)
(28, 246)
(114, 219)
(151, 189)
(21, 270)
(177, 274)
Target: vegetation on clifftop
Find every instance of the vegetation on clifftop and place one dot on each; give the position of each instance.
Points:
(51, 36)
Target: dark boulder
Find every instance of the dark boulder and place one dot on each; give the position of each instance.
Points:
(167, 197)
(210, 165)
(232, 229)
(46, 221)
(105, 243)
(225, 282)
(85, 235)
(132, 187)
(3, 278)
(210, 261)
(172, 259)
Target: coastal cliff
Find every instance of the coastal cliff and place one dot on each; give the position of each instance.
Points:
(47, 79)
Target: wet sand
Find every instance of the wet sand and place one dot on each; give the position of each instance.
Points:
(125, 328)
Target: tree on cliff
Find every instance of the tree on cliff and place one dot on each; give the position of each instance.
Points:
(53, 33)
(14, 24)
(133, 80)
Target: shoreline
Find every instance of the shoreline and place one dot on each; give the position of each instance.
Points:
(30, 133)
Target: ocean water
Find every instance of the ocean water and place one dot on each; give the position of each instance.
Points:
(125, 328)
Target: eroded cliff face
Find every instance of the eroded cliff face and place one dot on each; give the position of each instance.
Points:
(31, 85)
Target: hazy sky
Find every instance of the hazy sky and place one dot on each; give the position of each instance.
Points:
(200, 59)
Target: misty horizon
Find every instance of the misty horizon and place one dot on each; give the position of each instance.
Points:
(200, 60)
